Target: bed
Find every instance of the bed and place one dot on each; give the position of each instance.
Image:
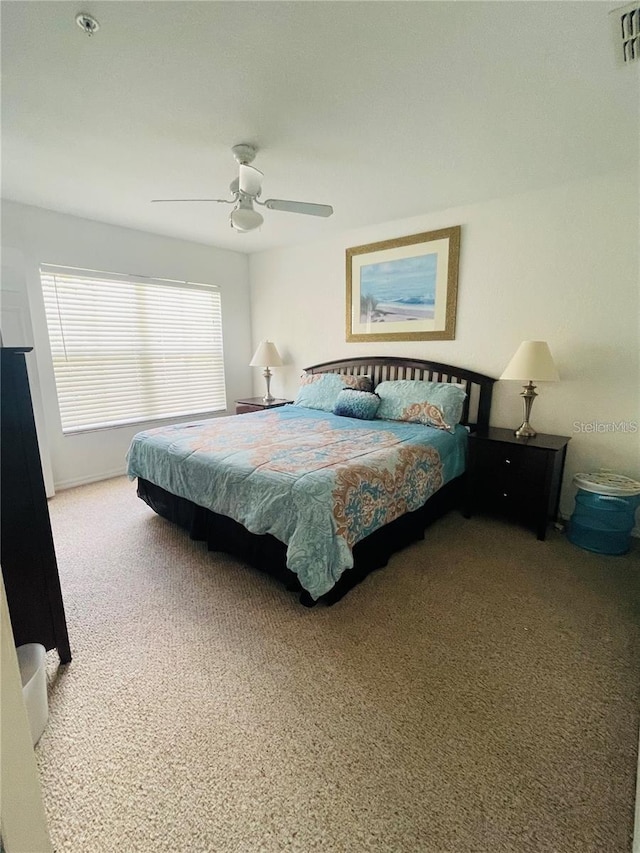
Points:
(314, 498)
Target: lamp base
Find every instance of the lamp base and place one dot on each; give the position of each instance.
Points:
(268, 397)
(525, 430)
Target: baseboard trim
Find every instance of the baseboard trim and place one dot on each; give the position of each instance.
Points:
(92, 478)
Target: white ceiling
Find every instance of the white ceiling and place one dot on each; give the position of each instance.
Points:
(383, 109)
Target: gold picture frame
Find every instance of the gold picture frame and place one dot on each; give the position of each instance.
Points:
(405, 289)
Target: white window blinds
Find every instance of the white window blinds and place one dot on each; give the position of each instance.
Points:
(131, 349)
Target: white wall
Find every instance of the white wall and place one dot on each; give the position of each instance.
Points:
(31, 236)
(559, 265)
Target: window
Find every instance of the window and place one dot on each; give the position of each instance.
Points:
(128, 349)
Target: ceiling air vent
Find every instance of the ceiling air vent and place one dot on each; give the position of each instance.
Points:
(626, 31)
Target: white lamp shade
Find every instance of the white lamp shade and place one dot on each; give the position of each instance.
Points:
(532, 361)
(266, 356)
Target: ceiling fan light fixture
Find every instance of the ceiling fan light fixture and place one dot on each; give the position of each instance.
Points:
(245, 219)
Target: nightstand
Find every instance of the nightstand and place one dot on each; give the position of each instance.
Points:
(516, 477)
(257, 404)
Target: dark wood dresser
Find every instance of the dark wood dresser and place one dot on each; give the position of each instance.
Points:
(27, 553)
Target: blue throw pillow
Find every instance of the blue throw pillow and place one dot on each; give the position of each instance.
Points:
(320, 391)
(437, 404)
(352, 403)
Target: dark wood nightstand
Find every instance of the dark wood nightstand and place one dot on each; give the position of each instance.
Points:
(257, 404)
(517, 477)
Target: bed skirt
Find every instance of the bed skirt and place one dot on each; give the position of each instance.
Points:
(268, 554)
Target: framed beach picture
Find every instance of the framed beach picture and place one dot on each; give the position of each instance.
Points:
(404, 289)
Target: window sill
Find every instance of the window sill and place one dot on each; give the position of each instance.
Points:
(142, 423)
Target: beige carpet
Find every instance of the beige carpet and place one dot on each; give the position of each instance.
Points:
(478, 694)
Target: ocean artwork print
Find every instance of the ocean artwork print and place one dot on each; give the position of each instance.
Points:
(399, 290)
(404, 289)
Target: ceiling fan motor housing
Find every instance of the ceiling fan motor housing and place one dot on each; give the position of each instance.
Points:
(244, 154)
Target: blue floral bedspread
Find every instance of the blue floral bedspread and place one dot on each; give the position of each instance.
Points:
(316, 481)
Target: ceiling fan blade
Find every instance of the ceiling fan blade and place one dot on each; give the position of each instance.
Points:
(219, 200)
(250, 180)
(299, 207)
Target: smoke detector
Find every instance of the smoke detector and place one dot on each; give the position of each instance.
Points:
(87, 23)
(625, 23)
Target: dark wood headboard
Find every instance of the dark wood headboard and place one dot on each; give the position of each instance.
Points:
(479, 387)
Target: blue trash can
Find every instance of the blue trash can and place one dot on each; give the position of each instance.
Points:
(604, 514)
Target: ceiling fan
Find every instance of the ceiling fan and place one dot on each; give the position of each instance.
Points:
(246, 190)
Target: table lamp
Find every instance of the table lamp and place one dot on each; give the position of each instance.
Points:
(532, 361)
(266, 356)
